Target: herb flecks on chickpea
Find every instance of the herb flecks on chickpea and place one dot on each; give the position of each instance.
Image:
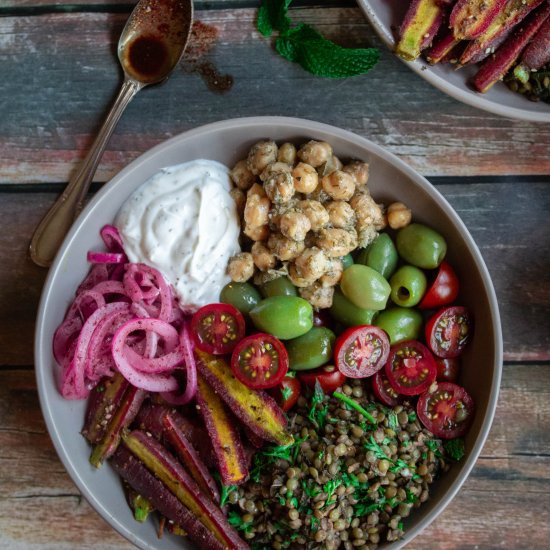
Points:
(302, 209)
(398, 215)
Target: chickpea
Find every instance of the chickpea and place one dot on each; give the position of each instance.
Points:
(311, 264)
(242, 177)
(359, 171)
(260, 233)
(240, 199)
(256, 211)
(398, 215)
(241, 267)
(262, 256)
(279, 187)
(274, 168)
(333, 273)
(319, 195)
(305, 178)
(256, 189)
(367, 212)
(340, 214)
(296, 279)
(366, 236)
(294, 225)
(337, 242)
(284, 248)
(332, 164)
(339, 185)
(315, 211)
(317, 295)
(315, 152)
(287, 153)
(260, 155)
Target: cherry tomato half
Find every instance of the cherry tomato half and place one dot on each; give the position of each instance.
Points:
(448, 369)
(448, 331)
(329, 378)
(443, 290)
(287, 392)
(410, 368)
(361, 351)
(383, 390)
(259, 361)
(217, 328)
(447, 412)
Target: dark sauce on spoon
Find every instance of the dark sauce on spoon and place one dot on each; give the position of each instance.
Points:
(148, 58)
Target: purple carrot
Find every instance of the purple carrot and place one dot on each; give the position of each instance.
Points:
(537, 53)
(470, 18)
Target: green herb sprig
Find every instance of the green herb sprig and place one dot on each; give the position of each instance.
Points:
(304, 45)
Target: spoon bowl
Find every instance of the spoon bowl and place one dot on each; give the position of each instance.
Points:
(150, 46)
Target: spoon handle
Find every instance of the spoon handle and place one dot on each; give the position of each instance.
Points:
(51, 231)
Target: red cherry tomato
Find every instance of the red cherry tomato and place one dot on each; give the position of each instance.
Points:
(329, 378)
(448, 331)
(217, 328)
(448, 369)
(443, 290)
(410, 368)
(260, 361)
(287, 392)
(446, 412)
(361, 351)
(383, 390)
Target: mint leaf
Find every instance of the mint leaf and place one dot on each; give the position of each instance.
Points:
(323, 57)
(272, 15)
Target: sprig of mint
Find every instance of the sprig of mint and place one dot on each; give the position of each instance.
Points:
(304, 45)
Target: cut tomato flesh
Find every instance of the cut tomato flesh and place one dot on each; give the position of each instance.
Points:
(383, 390)
(448, 331)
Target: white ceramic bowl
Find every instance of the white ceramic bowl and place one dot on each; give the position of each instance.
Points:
(228, 142)
(387, 15)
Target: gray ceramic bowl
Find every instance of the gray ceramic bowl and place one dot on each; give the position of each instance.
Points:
(386, 15)
(228, 142)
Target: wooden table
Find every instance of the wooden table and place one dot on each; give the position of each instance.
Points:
(59, 75)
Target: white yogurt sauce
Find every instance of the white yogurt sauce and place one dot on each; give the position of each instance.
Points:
(183, 222)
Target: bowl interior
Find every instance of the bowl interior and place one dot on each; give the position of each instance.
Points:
(228, 142)
(386, 17)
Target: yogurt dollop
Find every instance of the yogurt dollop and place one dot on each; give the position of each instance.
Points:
(183, 222)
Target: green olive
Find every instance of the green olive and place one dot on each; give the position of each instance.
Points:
(421, 246)
(381, 255)
(408, 285)
(347, 260)
(243, 296)
(285, 317)
(400, 323)
(365, 287)
(310, 350)
(347, 313)
(281, 286)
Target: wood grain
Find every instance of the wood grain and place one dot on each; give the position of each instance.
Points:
(510, 481)
(55, 108)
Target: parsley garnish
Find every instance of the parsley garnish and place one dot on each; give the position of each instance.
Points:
(272, 453)
(454, 448)
(286, 393)
(434, 445)
(306, 46)
(354, 405)
(236, 521)
(318, 414)
(226, 491)
(393, 423)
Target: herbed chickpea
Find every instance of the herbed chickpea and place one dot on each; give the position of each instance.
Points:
(240, 199)
(339, 185)
(333, 273)
(332, 164)
(317, 295)
(241, 267)
(311, 264)
(263, 258)
(337, 242)
(359, 171)
(296, 279)
(287, 153)
(284, 248)
(256, 189)
(366, 236)
(260, 155)
(316, 212)
(256, 211)
(305, 178)
(294, 225)
(399, 215)
(367, 212)
(274, 168)
(260, 233)
(279, 187)
(242, 177)
(340, 214)
(315, 152)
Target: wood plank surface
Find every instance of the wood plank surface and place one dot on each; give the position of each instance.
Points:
(509, 483)
(55, 108)
(507, 221)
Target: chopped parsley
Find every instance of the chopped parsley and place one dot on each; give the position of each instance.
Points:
(226, 491)
(286, 393)
(454, 449)
(236, 521)
(393, 423)
(271, 453)
(319, 409)
(354, 405)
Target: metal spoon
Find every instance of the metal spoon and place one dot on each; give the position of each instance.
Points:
(150, 46)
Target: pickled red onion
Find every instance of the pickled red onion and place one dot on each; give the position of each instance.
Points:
(106, 257)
